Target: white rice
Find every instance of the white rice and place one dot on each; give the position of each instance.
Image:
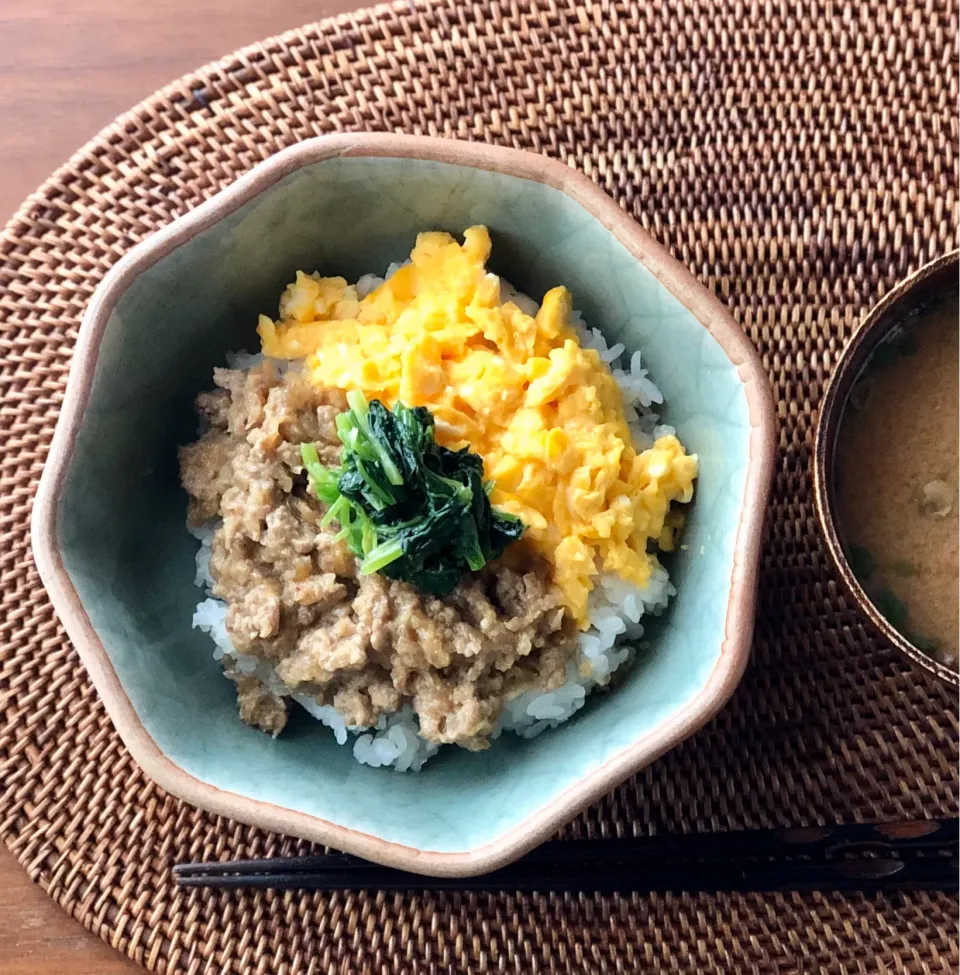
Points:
(616, 607)
(246, 360)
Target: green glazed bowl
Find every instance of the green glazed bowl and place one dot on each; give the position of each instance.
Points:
(113, 552)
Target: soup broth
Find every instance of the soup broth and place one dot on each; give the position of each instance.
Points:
(898, 452)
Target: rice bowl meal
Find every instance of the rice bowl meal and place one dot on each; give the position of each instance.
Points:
(429, 508)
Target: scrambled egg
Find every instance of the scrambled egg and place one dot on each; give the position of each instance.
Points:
(545, 414)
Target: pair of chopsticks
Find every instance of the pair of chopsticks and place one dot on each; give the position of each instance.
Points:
(918, 855)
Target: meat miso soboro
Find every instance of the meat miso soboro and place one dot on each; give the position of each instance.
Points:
(897, 458)
(297, 596)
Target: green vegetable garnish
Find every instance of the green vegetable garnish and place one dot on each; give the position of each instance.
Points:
(923, 643)
(324, 481)
(411, 509)
(861, 561)
(892, 608)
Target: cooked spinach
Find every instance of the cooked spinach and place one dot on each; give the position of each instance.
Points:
(411, 509)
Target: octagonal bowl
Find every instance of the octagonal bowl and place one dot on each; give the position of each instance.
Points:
(112, 550)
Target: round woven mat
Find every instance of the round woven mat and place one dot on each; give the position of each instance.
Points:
(799, 158)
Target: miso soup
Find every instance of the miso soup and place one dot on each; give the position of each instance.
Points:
(897, 457)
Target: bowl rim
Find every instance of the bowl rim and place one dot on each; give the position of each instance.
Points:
(871, 331)
(739, 620)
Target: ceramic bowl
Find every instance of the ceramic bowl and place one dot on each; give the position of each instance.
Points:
(113, 552)
(925, 286)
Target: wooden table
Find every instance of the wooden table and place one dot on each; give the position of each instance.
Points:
(66, 70)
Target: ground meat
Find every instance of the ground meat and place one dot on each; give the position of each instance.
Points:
(256, 617)
(213, 409)
(207, 473)
(258, 706)
(365, 644)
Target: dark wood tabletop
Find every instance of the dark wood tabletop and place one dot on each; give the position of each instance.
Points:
(67, 70)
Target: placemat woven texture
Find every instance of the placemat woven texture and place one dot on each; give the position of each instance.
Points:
(800, 159)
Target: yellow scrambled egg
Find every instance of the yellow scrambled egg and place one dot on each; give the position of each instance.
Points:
(545, 414)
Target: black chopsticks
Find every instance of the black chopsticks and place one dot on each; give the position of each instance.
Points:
(917, 855)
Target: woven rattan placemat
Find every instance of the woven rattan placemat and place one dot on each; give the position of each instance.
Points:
(799, 158)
